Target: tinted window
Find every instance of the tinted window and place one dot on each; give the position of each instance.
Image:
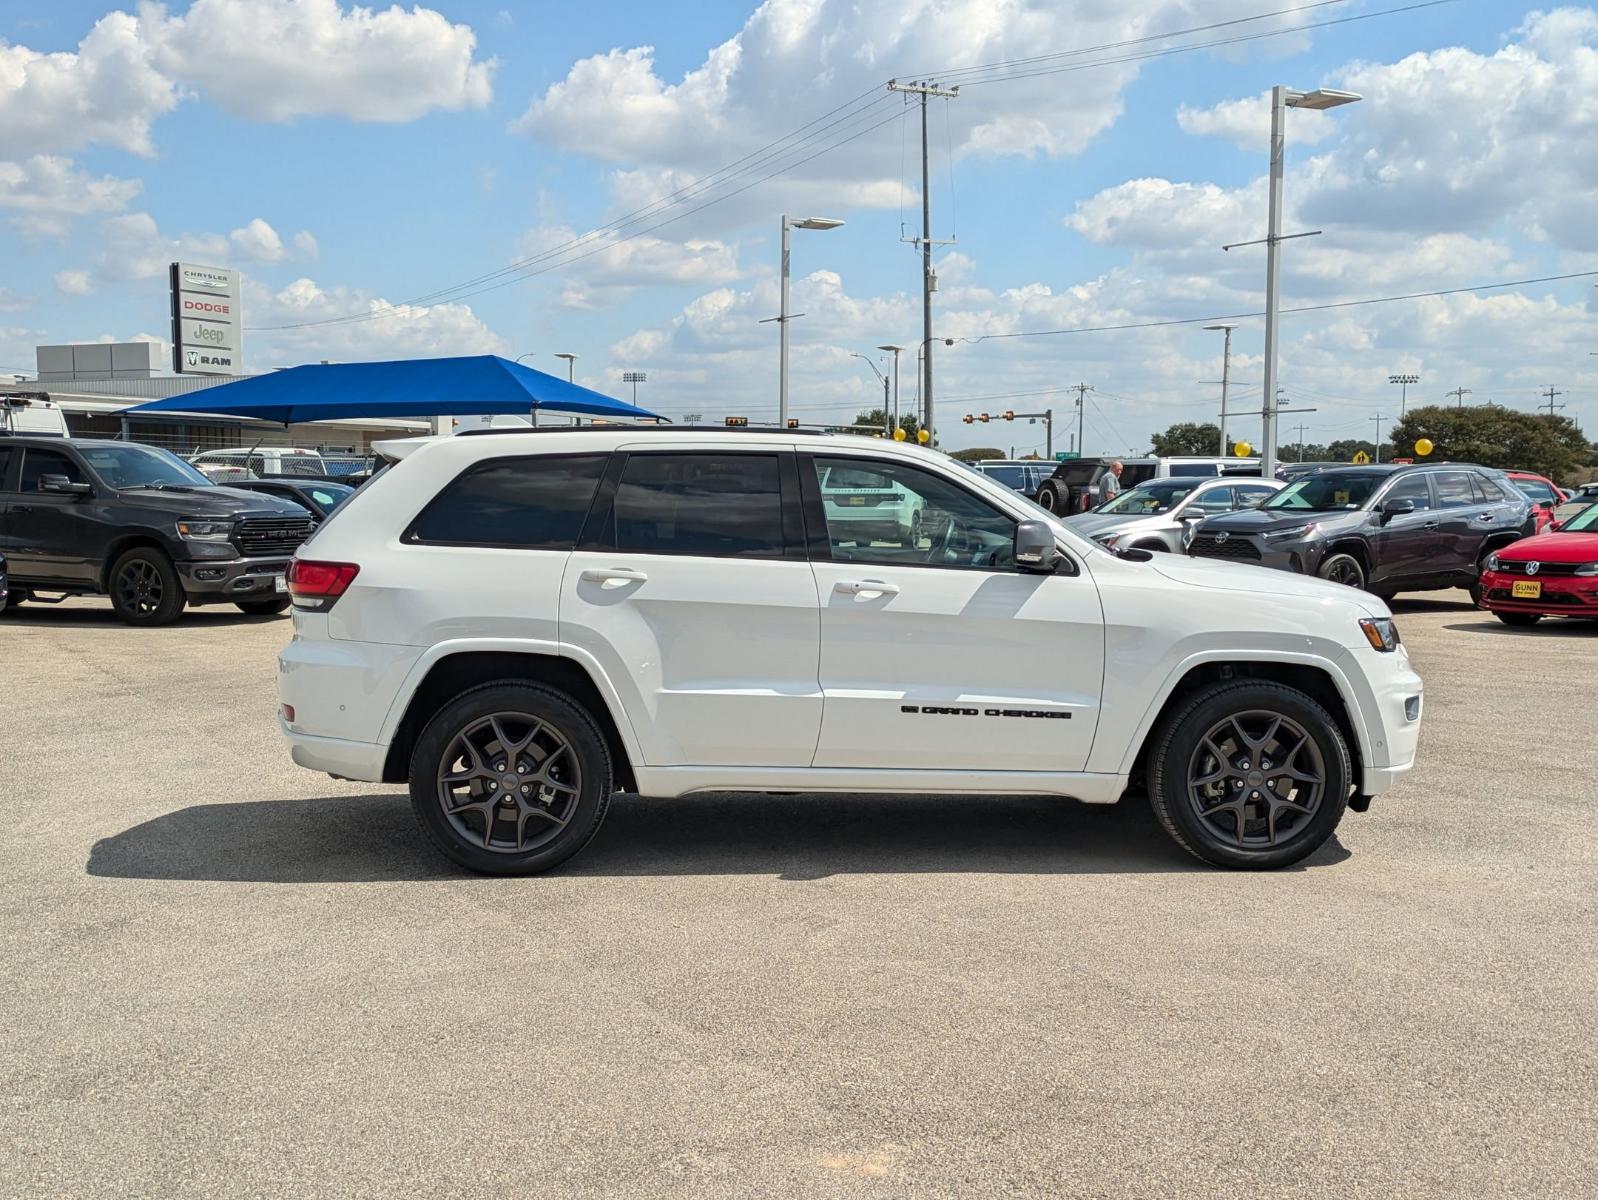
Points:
(716, 505)
(1485, 490)
(36, 463)
(1411, 487)
(1327, 493)
(1191, 469)
(1216, 499)
(911, 518)
(1247, 496)
(1536, 490)
(533, 503)
(1453, 489)
(1011, 477)
(7, 453)
(330, 495)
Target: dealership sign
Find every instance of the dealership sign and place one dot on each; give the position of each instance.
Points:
(206, 335)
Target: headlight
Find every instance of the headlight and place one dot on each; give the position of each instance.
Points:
(1492, 561)
(204, 531)
(1381, 633)
(1587, 569)
(1106, 539)
(1189, 528)
(1291, 531)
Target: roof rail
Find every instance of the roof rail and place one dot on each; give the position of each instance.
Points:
(631, 429)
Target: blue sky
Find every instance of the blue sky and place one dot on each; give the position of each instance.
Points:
(376, 185)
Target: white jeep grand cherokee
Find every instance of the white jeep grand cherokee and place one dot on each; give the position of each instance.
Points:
(521, 623)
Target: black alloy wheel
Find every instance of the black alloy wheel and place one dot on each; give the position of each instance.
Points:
(1344, 569)
(1250, 774)
(144, 588)
(510, 779)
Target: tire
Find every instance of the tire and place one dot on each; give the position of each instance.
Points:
(1343, 568)
(263, 608)
(565, 743)
(144, 587)
(1385, 596)
(1518, 619)
(1049, 499)
(1248, 833)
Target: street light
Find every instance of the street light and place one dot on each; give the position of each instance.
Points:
(1282, 98)
(896, 350)
(634, 378)
(1226, 375)
(529, 354)
(783, 316)
(1403, 396)
(571, 364)
(887, 428)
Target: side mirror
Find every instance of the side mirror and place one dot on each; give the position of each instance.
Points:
(1193, 514)
(1034, 547)
(1546, 505)
(62, 486)
(1396, 508)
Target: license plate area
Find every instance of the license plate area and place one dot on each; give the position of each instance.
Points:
(1526, 589)
(279, 584)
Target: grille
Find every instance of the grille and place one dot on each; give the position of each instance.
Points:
(1205, 545)
(258, 537)
(1544, 568)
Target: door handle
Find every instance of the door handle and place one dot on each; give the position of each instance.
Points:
(22, 508)
(613, 575)
(1429, 525)
(1485, 518)
(856, 587)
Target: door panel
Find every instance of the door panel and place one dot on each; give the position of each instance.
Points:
(1407, 546)
(937, 654)
(699, 606)
(53, 537)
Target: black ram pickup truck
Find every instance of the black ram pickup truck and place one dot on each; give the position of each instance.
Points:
(85, 517)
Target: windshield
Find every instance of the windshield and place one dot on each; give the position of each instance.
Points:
(330, 495)
(1014, 477)
(141, 466)
(1148, 499)
(1586, 521)
(1328, 492)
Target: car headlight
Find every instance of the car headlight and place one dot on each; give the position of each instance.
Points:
(196, 530)
(1492, 561)
(1106, 539)
(1587, 569)
(1290, 531)
(1381, 633)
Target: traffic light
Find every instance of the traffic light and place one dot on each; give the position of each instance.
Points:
(1009, 415)
(983, 417)
(793, 422)
(737, 422)
(968, 418)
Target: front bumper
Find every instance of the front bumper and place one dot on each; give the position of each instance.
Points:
(1302, 556)
(1392, 715)
(1562, 595)
(207, 581)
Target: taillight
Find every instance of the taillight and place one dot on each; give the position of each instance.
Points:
(317, 585)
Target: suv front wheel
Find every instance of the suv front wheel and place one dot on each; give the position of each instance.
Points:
(1250, 774)
(144, 587)
(510, 779)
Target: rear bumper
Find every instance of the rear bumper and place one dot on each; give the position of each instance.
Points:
(232, 578)
(336, 756)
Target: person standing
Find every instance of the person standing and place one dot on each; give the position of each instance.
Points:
(1110, 483)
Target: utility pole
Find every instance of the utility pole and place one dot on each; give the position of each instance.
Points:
(929, 281)
(1301, 441)
(1378, 418)
(1459, 395)
(1226, 376)
(1550, 393)
(1081, 390)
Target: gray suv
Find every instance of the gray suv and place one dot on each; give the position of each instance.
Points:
(1384, 528)
(1157, 515)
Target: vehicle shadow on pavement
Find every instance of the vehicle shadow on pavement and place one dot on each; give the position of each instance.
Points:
(39, 616)
(1547, 627)
(364, 839)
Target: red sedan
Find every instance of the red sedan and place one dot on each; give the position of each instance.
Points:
(1542, 493)
(1549, 575)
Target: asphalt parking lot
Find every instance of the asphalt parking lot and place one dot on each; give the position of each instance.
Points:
(228, 976)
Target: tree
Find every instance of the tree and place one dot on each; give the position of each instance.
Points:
(1187, 437)
(977, 453)
(877, 420)
(1345, 449)
(1495, 437)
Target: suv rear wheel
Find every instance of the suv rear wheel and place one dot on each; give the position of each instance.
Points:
(144, 588)
(510, 779)
(1250, 774)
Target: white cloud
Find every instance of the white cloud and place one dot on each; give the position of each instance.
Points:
(12, 302)
(134, 247)
(47, 191)
(275, 60)
(606, 270)
(305, 246)
(73, 282)
(403, 331)
(107, 92)
(1247, 123)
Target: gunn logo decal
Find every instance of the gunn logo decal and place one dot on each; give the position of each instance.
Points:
(936, 710)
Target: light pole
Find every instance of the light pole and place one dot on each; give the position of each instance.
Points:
(1403, 382)
(532, 413)
(887, 428)
(1226, 376)
(896, 350)
(529, 354)
(1282, 98)
(783, 316)
(634, 378)
(571, 364)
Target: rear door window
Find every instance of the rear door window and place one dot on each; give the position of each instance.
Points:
(535, 502)
(1454, 490)
(712, 505)
(7, 457)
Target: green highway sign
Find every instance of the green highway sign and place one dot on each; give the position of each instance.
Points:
(1065, 455)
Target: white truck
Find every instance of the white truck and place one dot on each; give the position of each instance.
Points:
(520, 624)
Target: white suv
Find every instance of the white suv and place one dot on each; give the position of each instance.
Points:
(521, 623)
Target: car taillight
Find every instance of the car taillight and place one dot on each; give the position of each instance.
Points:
(317, 585)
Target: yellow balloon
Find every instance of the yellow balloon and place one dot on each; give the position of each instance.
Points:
(923, 436)
(1242, 449)
(1423, 446)
(898, 435)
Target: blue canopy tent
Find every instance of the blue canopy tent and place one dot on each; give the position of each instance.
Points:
(415, 388)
